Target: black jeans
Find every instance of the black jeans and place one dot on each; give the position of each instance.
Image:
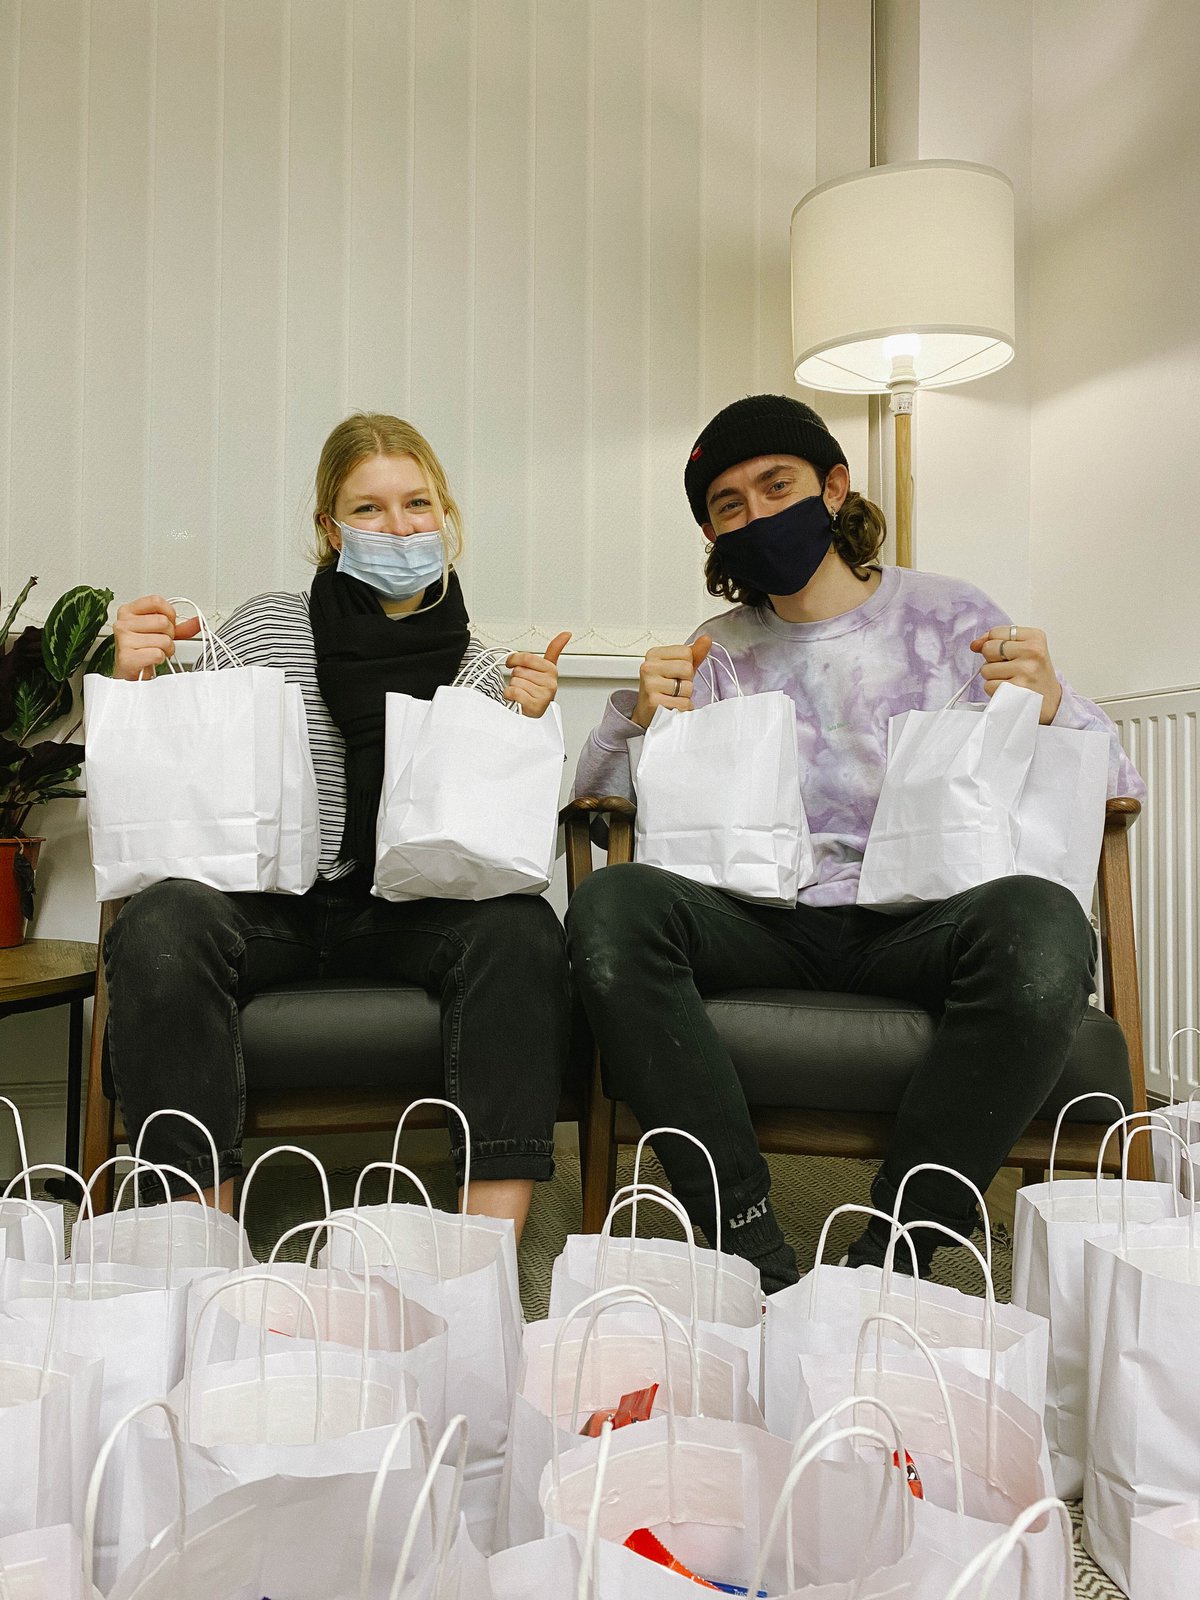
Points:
(181, 956)
(1007, 969)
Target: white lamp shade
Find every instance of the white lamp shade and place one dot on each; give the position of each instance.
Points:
(923, 249)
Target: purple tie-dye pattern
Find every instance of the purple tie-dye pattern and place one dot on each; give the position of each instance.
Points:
(906, 647)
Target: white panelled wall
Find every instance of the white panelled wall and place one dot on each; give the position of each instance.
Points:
(553, 233)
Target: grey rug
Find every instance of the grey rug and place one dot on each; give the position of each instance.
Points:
(804, 1191)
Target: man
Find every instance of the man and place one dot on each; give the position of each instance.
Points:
(1006, 968)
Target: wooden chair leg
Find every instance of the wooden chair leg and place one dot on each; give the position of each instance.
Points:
(100, 1114)
(601, 1159)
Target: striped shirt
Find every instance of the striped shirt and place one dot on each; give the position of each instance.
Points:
(273, 630)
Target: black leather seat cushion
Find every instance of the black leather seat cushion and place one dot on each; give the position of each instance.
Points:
(357, 1034)
(352, 1034)
(846, 1052)
(792, 1048)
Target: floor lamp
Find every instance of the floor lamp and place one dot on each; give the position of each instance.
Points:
(902, 279)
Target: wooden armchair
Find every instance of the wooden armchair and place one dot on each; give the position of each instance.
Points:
(770, 1036)
(336, 1055)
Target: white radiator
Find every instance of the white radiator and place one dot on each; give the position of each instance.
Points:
(1161, 732)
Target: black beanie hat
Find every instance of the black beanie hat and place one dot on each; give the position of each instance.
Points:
(757, 426)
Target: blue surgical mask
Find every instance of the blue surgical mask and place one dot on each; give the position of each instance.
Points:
(396, 566)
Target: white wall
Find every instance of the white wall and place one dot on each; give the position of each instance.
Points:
(1116, 339)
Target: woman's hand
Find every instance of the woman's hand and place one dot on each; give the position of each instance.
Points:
(534, 681)
(1020, 656)
(146, 631)
(665, 678)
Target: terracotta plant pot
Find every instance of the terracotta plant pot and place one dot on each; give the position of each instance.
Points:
(12, 923)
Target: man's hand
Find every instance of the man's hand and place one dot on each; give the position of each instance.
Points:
(665, 678)
(146, 631)
(1020, 656)
(534, 681)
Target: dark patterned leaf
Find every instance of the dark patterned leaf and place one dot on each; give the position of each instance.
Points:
(26, 654)
(72, 628)
(26, 885)
(14, 609)
(104, 658)
(51, 759)
(37, 702)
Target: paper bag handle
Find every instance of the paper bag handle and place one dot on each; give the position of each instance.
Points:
(951, 1172)
(277, 1150)
(395, 1167)
(993, 1556)
(22, 1150)
(184, 1116)
(97, 1479)
(878, 1319)
(238, 1280)
(456, 1426)
(410, 1419)
(682, 1133)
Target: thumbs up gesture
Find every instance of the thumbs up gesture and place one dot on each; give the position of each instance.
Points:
(665, 678)
(534, 681)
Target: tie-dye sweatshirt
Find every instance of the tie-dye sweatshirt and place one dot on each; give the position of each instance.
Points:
(906, 647)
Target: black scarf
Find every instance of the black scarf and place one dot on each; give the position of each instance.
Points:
(363, 654)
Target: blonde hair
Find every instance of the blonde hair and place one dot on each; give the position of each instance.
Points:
(373, 433)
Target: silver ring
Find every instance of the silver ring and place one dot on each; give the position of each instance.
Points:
(1012, 630)
(675, 690)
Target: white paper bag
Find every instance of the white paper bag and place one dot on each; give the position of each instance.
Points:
(184, 779)
(169, 1237)
(1061, 810)
(824, 1313)
(1142, 1311)
(469, 807)
(463, 1269)
(947, 817)
(46, 1564)
(1164, 1553)
(300, 1539)
(568, 1372)
(368, 1313)
(717, 1496)
(979, 1451)
(299, 815)
(311, 1413)
(49, 1433)
(1050, 1225)
(717, 1292)
(1181, 1116)
(718, 797)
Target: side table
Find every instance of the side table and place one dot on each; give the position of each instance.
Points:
(35, 976)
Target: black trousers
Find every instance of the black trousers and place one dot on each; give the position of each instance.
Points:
(181, 957)
(1006, 968)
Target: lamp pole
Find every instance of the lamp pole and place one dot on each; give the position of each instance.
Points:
(902, 385)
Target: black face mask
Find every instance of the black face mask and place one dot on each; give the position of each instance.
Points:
(778, 554)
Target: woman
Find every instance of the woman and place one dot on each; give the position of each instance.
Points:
(1007, 967)
(385, 612)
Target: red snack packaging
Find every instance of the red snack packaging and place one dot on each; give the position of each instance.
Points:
(633, 1407)
(643, 1543)
(910, 1472)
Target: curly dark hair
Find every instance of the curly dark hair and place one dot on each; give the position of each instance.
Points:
(857, 538)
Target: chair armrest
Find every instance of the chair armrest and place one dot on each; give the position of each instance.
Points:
(1122, 999)
(577, 817)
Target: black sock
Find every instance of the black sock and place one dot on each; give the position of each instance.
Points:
(870, 1249)
(758, 1238)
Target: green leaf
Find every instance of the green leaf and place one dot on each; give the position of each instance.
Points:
(72, 628)
(104, 658)
(37, 702)
(12, 615)
(52, 759)
(58, 794)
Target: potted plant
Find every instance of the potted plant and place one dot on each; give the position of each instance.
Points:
(36, 691)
